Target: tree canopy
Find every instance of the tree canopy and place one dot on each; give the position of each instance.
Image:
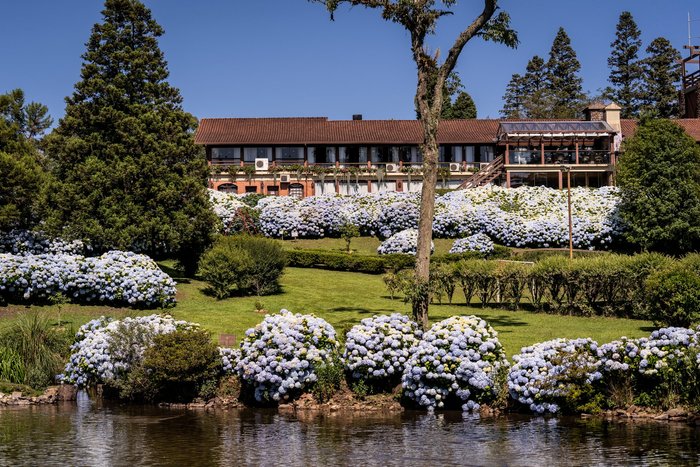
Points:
(128, 173)
(659, 175)
(661, 77)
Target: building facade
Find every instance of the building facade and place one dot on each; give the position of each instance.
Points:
(309, 156)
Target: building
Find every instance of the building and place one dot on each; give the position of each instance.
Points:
(309, 156)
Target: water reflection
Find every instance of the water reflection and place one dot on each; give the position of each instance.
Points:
(91, 433)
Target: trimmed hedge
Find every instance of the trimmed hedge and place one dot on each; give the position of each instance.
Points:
(340, 261)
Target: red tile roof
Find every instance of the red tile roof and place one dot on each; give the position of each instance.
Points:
(321, 131)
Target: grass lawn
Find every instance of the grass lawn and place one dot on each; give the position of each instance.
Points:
(343, 299)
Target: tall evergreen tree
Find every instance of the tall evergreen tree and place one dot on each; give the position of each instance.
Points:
(21, 176)
(625, 67)
(129, 175)
(661, 77)
(537, 88)
(457, 103)
(565, 84)
(463, 107)
(514, 98)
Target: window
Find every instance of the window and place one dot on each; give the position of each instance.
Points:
(295, 153)
(228, 188)
(250, 154)
(251, 189)
(405, 154)
(445, 153)
(226, 153)
(296, 190)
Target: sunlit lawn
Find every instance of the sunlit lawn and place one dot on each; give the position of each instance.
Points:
(344, 298)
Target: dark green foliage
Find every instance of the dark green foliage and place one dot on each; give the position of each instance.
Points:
(347, 233)
(128, 173)
(179, 367)
(33, 351)
(551, 89)
(661, 77)
(625, 67)
(329, 378)
(565, 84)
(457, 103)
(659, 174)
(244, 264)
(463, 107)
(673, 294)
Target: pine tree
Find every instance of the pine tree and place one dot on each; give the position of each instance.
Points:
(513, 99)
(129, 175)
(661, 77)
(625, 67)
(457, 104)
(565, 84)
(463, 107)
(537, 88)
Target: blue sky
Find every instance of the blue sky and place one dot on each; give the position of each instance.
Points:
(237, 58)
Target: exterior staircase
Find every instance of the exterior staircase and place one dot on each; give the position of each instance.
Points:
(486, 175)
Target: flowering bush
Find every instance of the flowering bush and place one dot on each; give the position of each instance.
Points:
(478, 242)
(116, 277)
(229, 359)
(457, 358)
(404, 242)
(378, 348)
(280, 355)
(21, 242)
(521, 217)
(559, 372)
(105, 349)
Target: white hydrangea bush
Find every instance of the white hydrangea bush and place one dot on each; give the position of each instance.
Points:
(106, 349)
(404, 243)
(479, 242)
(225, 206)
(279, 356)
(378, 348)
(116, 277)
(28, 242)
(546, 375)
(459, 359)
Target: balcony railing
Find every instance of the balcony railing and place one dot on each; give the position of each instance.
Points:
(585, 157)
(363, 168)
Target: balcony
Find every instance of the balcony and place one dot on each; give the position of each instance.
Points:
(585, 157)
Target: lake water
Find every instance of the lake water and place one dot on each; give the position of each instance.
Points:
(95, 434)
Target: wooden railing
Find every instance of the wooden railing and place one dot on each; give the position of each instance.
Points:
(224, 165)
(691, 79)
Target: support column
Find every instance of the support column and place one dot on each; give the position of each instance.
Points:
(542, 153)
(577, 162)
(507, 179)
(561, 181)
(507, 153)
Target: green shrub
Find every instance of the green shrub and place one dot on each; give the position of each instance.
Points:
(673, 295)
(11, 366)
(348, 232)
(245, 264)
(329, 379)
(178, 367)
(41, 348)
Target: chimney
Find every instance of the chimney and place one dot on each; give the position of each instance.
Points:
(357, 117)
(612, 116)
(595, 112)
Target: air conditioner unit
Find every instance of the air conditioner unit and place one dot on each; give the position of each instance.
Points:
(261, 164)
(392, 168)
(455, 167)
(284, 178)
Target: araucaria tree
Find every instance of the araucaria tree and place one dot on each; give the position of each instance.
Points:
(420, 18)
(661, 76)
(625, 67)
(128, 173)
(565, 83)
(659, 175)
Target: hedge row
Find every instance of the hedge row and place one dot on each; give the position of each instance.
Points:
(340, 261)
(611, 285)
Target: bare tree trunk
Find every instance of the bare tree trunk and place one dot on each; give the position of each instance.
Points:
(429, 150)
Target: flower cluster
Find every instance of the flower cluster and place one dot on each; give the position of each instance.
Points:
(478, 242)
(116, 277)
(457, 358)
(545, 375)
(404, 242)
(229, 359)
(106, 349)
(225, 206)
(279, 356)
(22, 242)
(378, 347)
(520, 217)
